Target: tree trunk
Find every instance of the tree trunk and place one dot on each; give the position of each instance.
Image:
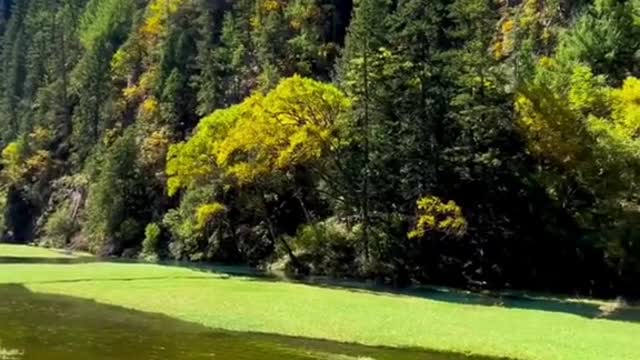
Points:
(294, 260)
(365, 182)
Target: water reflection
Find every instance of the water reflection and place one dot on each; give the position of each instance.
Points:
(49, 327)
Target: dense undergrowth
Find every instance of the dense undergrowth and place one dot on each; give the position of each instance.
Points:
(471, 142)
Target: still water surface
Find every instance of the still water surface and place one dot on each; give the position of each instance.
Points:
(49, 327)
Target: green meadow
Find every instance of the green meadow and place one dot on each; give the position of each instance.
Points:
(566, 330)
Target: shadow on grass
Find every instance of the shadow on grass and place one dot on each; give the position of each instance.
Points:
(45, 260)
(53, 327)
(522, 301)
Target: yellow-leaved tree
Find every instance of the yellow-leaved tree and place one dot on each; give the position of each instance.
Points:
(585, 131)
(21, 164)
(574, 121)
(439, 217)
(12, 163)
(296, 124)
(259, 144)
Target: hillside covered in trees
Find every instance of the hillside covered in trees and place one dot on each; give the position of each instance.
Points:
(473, 143)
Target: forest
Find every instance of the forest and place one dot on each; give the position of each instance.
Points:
(483, 144)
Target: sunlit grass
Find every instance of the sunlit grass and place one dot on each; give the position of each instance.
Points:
(245, 304)
(9, 354)
(8, 250)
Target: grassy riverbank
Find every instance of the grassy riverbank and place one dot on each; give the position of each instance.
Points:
(569, 331)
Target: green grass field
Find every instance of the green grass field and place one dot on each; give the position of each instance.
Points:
(372, 318)
(34, 252)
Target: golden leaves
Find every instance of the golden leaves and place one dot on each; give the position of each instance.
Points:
(271, 5)
(40, 136)
(293, 125)
(38, 162)
(626, 107)
(505, 43)
(434, 215)
(154, 147)
(156, 18)
(12, 155)
(207, 213)
(20, 165)
(149, 108)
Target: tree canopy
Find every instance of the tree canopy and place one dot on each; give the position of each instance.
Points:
(469, 142)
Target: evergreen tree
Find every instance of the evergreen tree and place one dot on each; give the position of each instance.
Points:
(420, 35)
(361, 60)
(13, 71)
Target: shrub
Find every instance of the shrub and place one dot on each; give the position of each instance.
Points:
(3, 208)
(60, 226)
(206, 213)
(188, 241)
(151, 241)
(435, 215)
(328, 247)
(334, 247)
(129, 233)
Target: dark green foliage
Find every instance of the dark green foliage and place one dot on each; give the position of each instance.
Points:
(103, 29)
(151, 242)
(60, 227)
(606, 38)
(117, 202)
(330, 247)
(448, 100)
(18, 215)
(187, 240)
(13, 71)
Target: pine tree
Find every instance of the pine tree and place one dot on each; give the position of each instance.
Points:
(367, 36)
(420, 37)
(208, 79)
(103, 28)
(269, 35)
(13, 71)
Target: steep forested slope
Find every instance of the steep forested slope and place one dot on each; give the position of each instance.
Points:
(469, 142)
